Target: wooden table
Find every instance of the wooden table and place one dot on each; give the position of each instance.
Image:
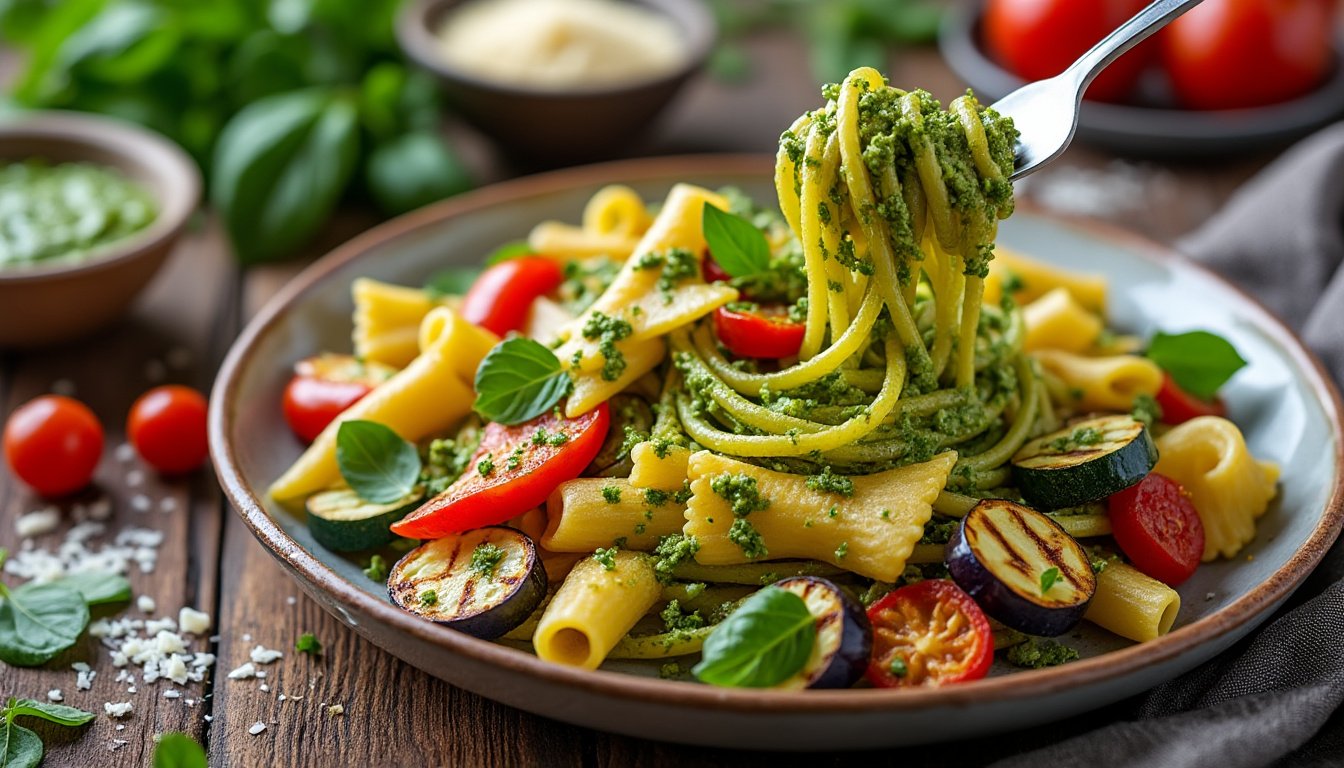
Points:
(393, 713)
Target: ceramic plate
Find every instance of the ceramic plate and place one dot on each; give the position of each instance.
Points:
(1289, 411)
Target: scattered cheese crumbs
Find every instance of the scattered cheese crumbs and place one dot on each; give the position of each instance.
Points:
(146, 604)
(130, 689)
(75, 555)
(247, 638)
(167, 504)
(335, 709)
(193, 621)
(155, 626)
(175, 669)
(245, 671)
(118, 709)
(281, 697)
(261, 655)
(172, 693)
(256, 728)
(115, 744)
(83, 676)
(141, 503)
(64, 387)
(209, 718)
(98, 509)
(291, 600)
(55, 695)
(125, 453)
(38, 523)
(121, 727)
(264, 688)
(134, 478)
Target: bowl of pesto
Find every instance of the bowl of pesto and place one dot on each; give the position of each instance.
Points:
(90, 208)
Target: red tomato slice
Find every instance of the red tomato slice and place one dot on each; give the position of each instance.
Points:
(764, 334)
(500, 298)
(1179, 406)
(53, 444)
(1158, 528)
(478, 500)
(928, 634)
(167, 428)
(323, 387)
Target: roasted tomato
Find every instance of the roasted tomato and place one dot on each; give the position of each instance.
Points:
(53, 444)
(167, 428)
(501, 297)
(765, 332)
(1179, 406)
(323, 387)
(927, 634)
(513, 470)
(1158, 528)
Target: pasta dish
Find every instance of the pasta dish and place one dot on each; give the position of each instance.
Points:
(847, 441)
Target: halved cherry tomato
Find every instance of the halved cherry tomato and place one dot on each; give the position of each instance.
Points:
(495, 488)
(1232, 54)
(1158, 528)
(1179, 406)
(167, 428)
(765, 333)
(323, 387)
(53, 444)
(927, 634)
(711, 270)
(1036, 39)
(501, 297)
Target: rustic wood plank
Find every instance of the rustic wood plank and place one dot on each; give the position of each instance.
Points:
(167, 338)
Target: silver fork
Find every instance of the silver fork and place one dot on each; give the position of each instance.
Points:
(1046, 111)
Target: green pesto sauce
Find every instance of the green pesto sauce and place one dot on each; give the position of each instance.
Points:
(485, 558)
(744, 534)
(1037, 653)
(606, 331)
(66, 212)
(741, 492)
(673, 550)
(607, 557)
(829, 482)
(611, 494)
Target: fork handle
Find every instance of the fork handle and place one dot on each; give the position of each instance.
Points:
(1126, 36)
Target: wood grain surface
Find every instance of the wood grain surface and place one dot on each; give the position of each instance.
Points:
(393, 715)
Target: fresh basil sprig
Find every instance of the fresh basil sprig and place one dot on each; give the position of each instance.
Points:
(1200, 362)
(764, 642)
(22, 748)
(38, 621)
(376, 462)
(98, 588)
(519, 380)
(735, 243)
(178, 750)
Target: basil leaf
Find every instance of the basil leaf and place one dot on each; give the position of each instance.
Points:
(178, 750)
(1200, 362)
(454, 281)
(379, 465)
(736, 245)
(518, 380)
(52, 713)
(19, 747)
(414, 170)
(98, 588)
(280, 167)
(125, 43)
(1048, 578)
(764, 642)
(38, 621)
(510, 250)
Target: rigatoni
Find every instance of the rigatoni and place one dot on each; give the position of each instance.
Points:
(598, 603)
(1133, 605)
(589, 513)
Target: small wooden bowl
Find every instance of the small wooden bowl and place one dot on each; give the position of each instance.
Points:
(47, 304)
(557, 126)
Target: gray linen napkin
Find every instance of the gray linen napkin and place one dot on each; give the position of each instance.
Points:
(1275, 698)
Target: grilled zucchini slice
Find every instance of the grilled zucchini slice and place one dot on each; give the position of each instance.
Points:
(343, 522)
(1083, 462)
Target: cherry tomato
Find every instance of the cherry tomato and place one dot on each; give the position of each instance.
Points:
(1229, 54)
(167, 428)
(928, 634)
(501, 297)
(323, 387)
(1158, 528)
(1179, 406)
(53, 444)
(491, 491)
(711, 270)
(766, 333)
(1036, 39)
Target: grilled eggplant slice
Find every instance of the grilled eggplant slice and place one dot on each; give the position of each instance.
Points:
(343, 522)
(1086, 461)
(844, 635)
(1021, 567)
(483, 582)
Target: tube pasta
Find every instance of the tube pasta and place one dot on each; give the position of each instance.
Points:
(1133, 605)
(594, 608)
(1229, 487)
(1102, 383)
(428, 396)
(871, 533)
(667, 472)
(580, 518)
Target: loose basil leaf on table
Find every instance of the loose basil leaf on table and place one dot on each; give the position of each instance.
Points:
(376, 462)
(38, 621)
(53, 713)
(99, 588)
(281, 165)
(1200, 362)
(414, 170)
(764, 642)
(19, 747)
(519, 380)
(178, 750)
(736, 245)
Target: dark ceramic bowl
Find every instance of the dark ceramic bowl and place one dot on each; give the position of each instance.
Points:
(556, 126)
(47, 304)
